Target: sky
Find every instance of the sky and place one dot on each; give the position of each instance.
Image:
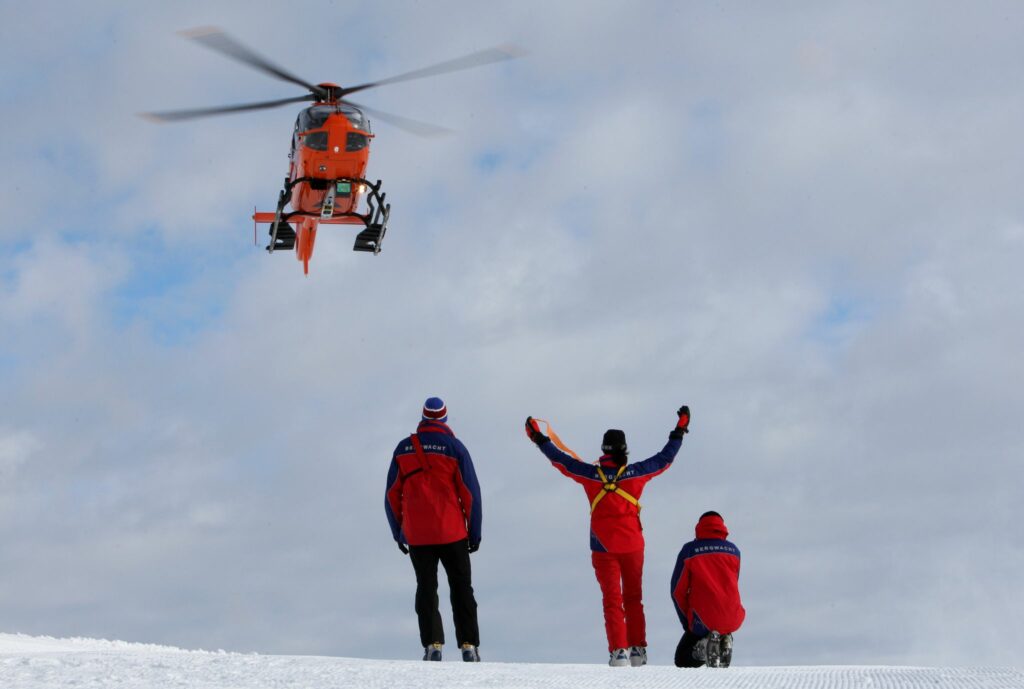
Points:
(804, 221)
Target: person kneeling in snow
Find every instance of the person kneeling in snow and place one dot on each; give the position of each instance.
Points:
(616, 537)
(706, 594)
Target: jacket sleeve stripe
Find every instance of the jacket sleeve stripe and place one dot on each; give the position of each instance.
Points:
(674, 585)
(393, 501)
(469, 492)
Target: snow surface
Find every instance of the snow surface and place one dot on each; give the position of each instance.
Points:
(45, 663)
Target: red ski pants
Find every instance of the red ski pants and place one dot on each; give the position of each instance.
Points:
(621, 578)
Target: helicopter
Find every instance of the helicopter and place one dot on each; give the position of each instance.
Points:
(330, 148)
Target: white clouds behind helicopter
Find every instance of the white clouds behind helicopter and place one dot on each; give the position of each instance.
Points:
(803, 222)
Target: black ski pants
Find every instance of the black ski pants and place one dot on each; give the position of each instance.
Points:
(455, 558)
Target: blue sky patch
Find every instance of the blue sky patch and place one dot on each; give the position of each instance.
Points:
(839, 320)
(489, 161)
(174, 291)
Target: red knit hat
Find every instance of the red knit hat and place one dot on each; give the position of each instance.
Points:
(434, 409)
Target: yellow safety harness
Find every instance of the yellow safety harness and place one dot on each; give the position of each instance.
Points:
(611, 486)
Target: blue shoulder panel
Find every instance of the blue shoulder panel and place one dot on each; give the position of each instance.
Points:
(469, 479)
(656, 463)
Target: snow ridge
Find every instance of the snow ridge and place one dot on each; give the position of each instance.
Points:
(47, 663)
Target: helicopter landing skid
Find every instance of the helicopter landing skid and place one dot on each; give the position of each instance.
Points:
(282, 235)
(371, 238)
(374, 220)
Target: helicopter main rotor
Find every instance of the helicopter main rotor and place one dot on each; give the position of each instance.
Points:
(220, 42)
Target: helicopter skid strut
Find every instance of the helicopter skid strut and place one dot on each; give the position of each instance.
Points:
(374, 220)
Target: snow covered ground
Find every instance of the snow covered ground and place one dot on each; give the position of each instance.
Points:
(46, 663)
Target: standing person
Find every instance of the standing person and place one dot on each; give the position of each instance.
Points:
(613, 489)
(705, 591)
(433, 507)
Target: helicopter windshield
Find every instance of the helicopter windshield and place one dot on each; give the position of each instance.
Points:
(315, 116)
(356, 117)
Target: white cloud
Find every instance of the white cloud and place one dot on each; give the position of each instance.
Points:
(16, 448)
(788, 228)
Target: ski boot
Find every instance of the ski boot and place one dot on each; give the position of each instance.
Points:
(619, 658)
(713, 651)
(432, 652)
(725, 645)
(699, 651)
(637, 655)
(470, 653)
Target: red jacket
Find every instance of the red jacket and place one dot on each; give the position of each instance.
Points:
(435, 500)
(705, 582)
(615, 521)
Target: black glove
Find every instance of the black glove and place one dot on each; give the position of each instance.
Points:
(473, 547)
(403, 547)
(683, 425)
(533, 431)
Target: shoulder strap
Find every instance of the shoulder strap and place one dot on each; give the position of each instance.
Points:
(421, 456)
(611, 486)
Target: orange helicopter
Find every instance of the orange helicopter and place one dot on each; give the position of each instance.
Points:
(329, 150)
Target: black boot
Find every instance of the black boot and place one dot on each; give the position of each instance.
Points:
(713, 651)
(725, 645)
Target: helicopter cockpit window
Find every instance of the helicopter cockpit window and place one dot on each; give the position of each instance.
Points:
(356, 141)
(315, 140)
(314, 117)
(356, 118)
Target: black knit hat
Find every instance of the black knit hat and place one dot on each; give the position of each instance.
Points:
(614, 443)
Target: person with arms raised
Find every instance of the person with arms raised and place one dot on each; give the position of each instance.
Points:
(613, 487)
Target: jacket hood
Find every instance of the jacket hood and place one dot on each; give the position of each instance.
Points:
(711, 526)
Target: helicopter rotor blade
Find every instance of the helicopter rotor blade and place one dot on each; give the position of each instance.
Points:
(483, 57)
(178, 115)
(216, 40)
(424, 129)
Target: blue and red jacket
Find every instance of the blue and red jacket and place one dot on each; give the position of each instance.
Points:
(614, 522)
(705, 581)
(433, 498)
